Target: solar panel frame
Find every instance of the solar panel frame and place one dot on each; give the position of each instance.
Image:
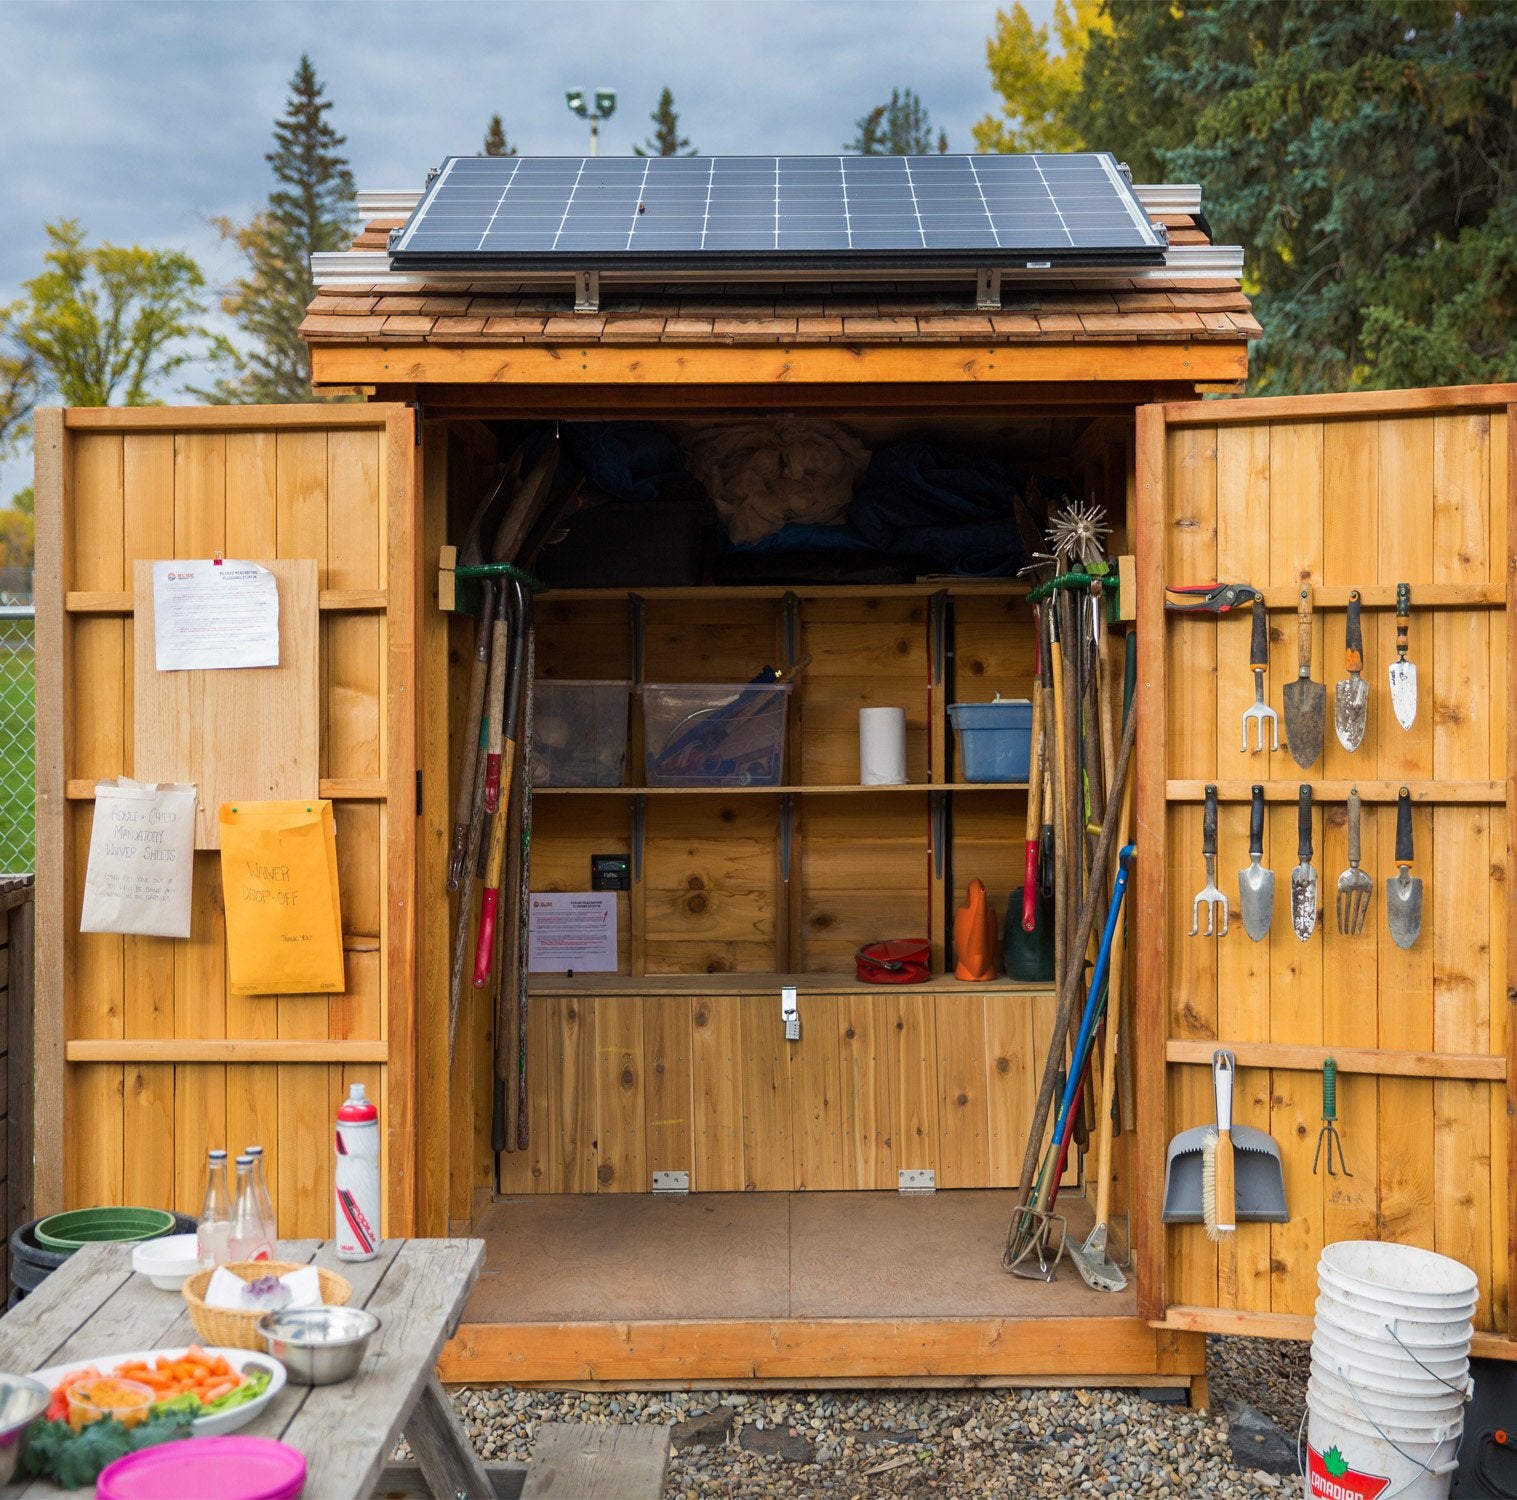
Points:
(775, 212)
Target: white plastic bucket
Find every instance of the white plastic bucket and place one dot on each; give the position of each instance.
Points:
(1389, 1373)
(1399, 1274)
(1348, 1458)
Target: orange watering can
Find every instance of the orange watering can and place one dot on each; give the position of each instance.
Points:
(974, 937)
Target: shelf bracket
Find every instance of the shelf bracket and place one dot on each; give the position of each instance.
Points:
(939, 802)
(639, 811)
(938, 625)
(792, 629)
(787, 833)
(637, 611)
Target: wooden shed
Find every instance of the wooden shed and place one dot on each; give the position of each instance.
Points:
(794, 1259)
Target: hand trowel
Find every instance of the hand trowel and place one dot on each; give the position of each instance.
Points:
(1403, 672)
(1305, 700)
(1304, 876)
(1403, 893)
(1351, 695)
(1256, 885)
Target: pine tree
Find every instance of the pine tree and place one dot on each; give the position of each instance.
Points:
(900, 127)
(310, 210)
(666, 139)
(496, 143)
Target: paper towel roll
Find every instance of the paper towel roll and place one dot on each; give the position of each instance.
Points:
(882, 746)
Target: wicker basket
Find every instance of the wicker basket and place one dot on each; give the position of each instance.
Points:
(237, 1328)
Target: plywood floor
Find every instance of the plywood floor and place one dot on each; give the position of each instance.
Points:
(618, 1257)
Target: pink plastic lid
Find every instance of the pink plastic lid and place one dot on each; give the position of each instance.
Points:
(231, 1468)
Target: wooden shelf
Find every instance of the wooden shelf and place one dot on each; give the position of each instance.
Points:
(840, 790)
(1016, 588)
(766, 985)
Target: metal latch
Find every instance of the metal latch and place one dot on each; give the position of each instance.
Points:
(671, 1184)
(918, 1180)
(790, 1014)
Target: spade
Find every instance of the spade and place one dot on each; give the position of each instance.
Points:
(1305, 700)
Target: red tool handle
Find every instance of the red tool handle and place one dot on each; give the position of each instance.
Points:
(1030, 888)
(484, 953)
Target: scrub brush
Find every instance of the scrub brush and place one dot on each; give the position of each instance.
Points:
(1219, 1210)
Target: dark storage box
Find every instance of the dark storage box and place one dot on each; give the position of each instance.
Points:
(628, 544)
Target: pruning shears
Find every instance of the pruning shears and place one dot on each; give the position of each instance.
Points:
(1208, 598)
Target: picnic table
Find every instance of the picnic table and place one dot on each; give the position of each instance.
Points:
(94, 1306)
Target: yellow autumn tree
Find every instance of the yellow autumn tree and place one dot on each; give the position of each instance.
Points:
(1037, 83)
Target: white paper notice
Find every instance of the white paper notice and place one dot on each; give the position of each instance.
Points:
(142, 859)
(572, 930)
(209, 614)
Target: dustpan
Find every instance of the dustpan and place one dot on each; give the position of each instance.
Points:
(1259, 1181)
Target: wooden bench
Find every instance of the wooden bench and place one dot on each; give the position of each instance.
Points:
(570, 1461)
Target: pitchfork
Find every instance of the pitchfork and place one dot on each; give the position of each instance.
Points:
(1209, 896)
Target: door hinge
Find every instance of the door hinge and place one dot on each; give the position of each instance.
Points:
(415, 422)
(418, 792)
(671, 1184)
(920, 1180)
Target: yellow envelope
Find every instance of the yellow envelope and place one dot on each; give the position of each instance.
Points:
(279, 882)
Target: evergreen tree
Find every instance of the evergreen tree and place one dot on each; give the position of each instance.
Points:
(666, 139)
(899, 127)
(496, 143)
(310, 209)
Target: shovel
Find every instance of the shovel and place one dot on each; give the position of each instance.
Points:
(1402, 672)
(1305, 700)
(1256, 885)
(1304, 876)
(1351, 696)
(1403, 895)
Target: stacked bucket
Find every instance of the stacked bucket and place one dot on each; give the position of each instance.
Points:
(1390, 1372)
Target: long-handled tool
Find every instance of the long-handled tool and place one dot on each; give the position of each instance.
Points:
(1304, 876)
(1209, 896)
(1021, 1230)
(1328, 1135)
(1354, 885)
(1256, 885)
(1034, 802)
(1219, 1195)
(1305, 700)
(1091, 1260)
(1403, 895)
(475, 732)
(1402, 672)
(1351, 695)
(1258, 660)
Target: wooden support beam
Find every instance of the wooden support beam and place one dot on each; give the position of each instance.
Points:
(1480, 793)
(334, 788)
(774, 365)
(222, 1050)
(1382, 1062)
(1383, 596)
(1445, 399)
(1265, 1325)
(217, 418)
(120, 601)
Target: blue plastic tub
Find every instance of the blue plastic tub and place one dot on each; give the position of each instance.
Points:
(995, 739)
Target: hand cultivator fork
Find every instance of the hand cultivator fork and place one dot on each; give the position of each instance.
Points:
(1209, 896)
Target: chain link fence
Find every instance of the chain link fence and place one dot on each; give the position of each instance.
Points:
(18, 850)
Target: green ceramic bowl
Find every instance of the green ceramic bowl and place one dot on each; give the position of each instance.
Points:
(94, 1226)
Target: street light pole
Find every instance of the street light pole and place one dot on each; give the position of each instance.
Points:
(604, 108)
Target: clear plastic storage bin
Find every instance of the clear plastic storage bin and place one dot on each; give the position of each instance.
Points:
(714, 733)
(579, 732)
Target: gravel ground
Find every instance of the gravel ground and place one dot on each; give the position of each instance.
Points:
(1033, 1445)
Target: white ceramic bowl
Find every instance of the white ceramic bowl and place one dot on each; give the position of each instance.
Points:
(167, 1262)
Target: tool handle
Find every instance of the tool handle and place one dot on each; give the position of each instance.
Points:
(1304, 630)
(1353, 636)
(1353, 826)
(1209, 823)
(484, 950)
(1030, 888)
(1258, 641)
(1403, 617)
(1222, 1065)
(1403, 827)
(1329, 1090)
(1304, 826)
(1256, 822)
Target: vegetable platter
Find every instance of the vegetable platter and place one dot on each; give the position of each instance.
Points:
(219, 1389)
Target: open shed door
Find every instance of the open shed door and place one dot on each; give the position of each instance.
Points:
(144, 1060)
(1354, 492)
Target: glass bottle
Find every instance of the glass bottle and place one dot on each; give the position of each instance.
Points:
(265, 1201)
(249, 1236)
(213, 1233)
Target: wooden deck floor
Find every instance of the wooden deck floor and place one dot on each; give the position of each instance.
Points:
(766, 1255)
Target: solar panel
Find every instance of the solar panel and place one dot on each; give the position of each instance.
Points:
(540, 212)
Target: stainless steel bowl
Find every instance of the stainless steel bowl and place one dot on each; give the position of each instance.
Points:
(318, 1345)
(22, 1401)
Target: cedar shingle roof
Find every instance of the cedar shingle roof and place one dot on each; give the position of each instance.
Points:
(1106, 309)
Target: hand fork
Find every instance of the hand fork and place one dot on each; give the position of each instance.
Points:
(1258, 656)
(1209, 895)
(1354, 886)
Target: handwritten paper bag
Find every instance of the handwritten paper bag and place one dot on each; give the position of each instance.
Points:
(279, 881)
(142, 859)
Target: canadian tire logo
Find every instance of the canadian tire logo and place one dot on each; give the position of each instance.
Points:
(1330, 1478)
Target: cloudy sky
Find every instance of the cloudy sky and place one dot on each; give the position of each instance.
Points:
(145, 119)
